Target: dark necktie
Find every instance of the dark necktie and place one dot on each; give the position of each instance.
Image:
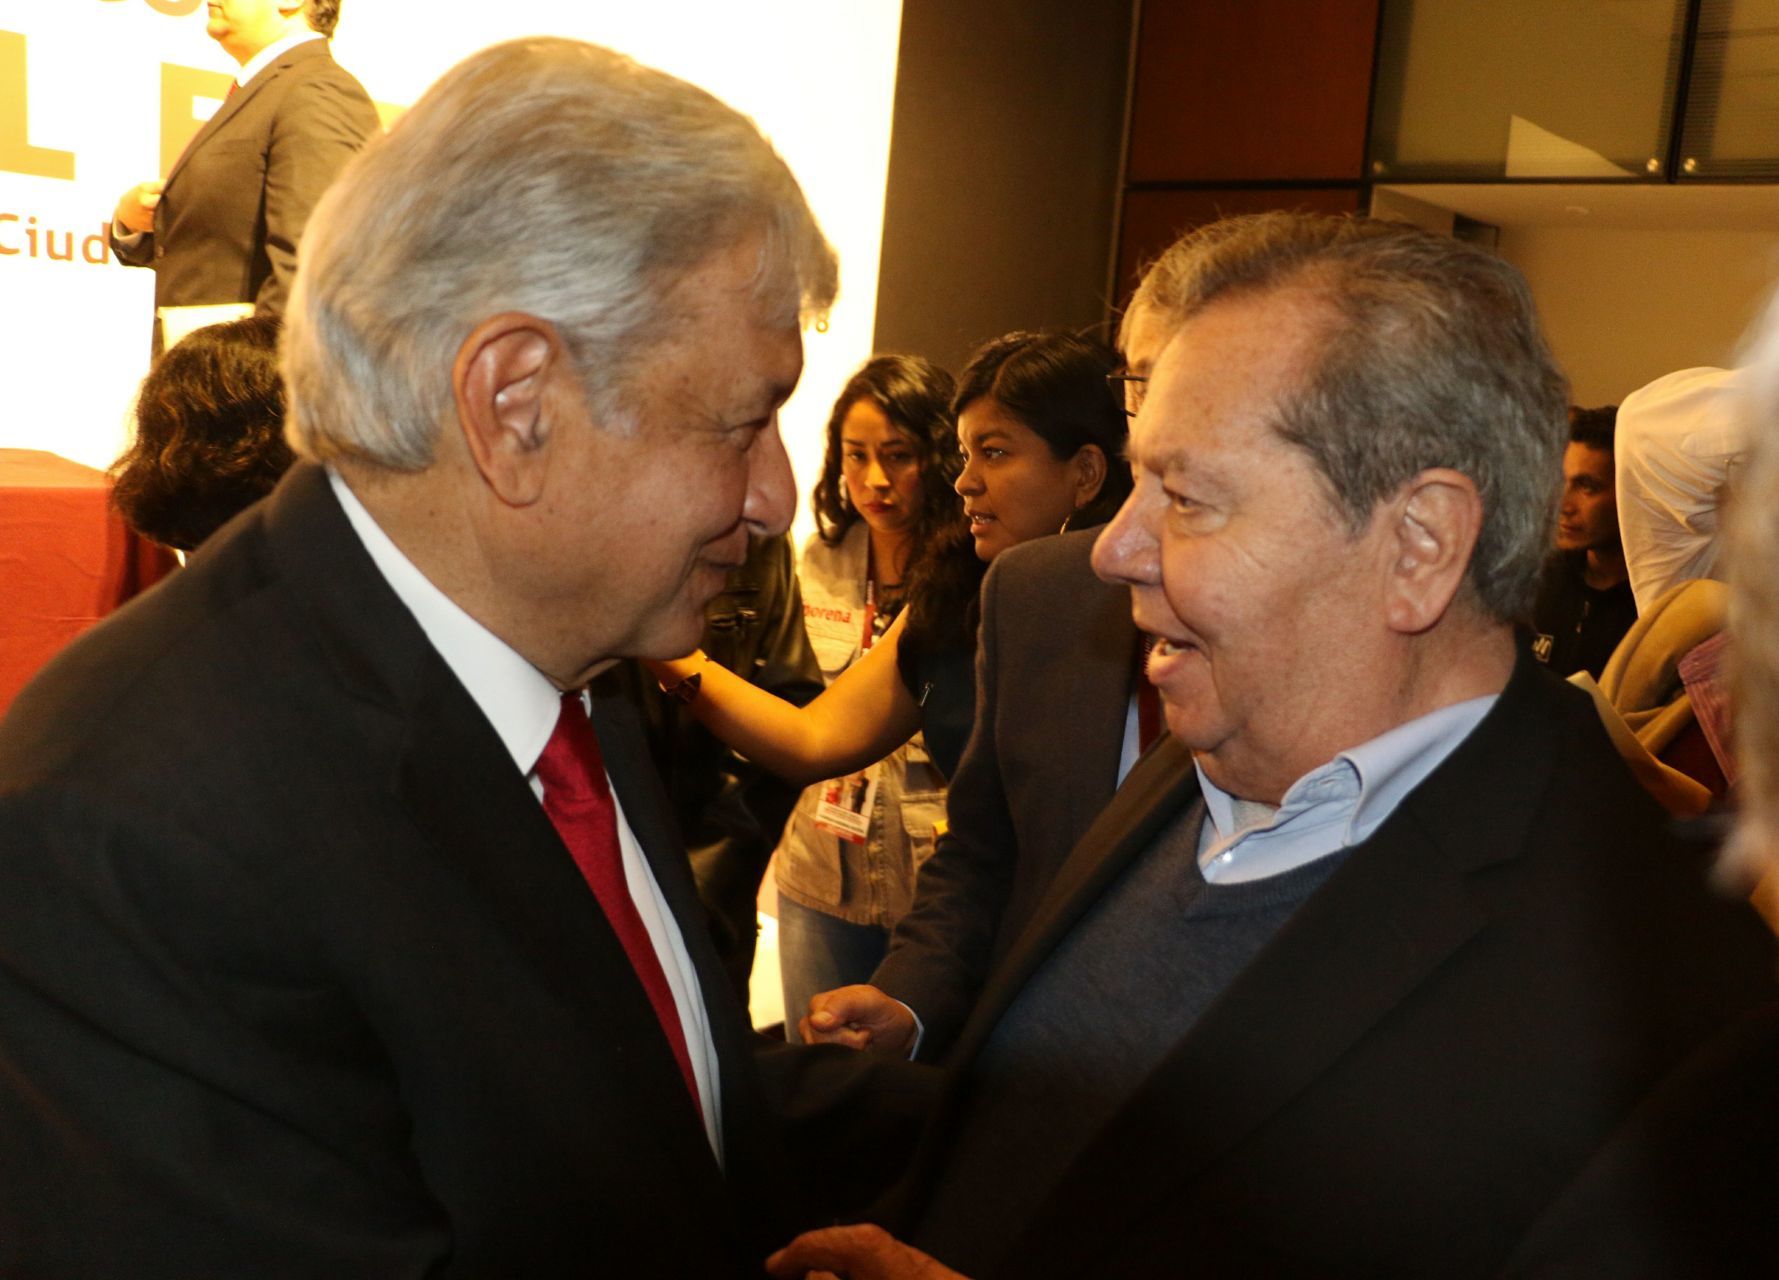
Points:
(578, 801)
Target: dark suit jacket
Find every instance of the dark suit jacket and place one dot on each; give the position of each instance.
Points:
(1456, 1027)
(296, 977)
(237, 199)
(1054, 666)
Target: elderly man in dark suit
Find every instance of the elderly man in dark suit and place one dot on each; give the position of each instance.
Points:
(223, 225)
(343, 927)
(1382, 950)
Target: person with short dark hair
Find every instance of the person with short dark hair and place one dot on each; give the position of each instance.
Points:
(1584, 604)
(209, 434)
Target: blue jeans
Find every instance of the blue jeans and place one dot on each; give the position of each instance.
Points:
(818, 952)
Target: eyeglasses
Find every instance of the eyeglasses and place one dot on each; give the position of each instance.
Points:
(1130, 388)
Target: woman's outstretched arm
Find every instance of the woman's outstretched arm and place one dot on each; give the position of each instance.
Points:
(859, 719)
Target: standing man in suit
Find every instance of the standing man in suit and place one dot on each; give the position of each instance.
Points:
(223, 226)
(1370, 960)
(336, 936)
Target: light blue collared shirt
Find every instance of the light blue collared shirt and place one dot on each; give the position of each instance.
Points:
(1332, 807)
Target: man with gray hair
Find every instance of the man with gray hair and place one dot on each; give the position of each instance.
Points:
(343, 929)
(1371, 958)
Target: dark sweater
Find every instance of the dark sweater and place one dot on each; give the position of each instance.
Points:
(1111, 1001)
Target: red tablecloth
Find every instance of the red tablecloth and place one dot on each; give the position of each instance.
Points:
(66, 560)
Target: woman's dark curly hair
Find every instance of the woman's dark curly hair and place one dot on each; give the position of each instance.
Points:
(915, 395)
(209, 434)
(1055, 384)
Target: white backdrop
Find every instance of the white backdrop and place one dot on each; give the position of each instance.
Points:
(81, 118)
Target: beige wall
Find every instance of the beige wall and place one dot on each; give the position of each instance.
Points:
(1623, 307)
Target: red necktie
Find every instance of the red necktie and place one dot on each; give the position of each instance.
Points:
(578, 801)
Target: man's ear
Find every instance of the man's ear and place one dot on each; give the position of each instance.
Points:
(1435, 519)
(501, 382)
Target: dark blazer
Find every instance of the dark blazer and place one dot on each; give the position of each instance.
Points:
(296, 977)
(1454, 1029)
(1054, 666)
(235, 202)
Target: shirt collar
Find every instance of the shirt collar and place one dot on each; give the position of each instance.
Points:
(1394, 763)
(1359, 788)
(266, 56)
(517, 698)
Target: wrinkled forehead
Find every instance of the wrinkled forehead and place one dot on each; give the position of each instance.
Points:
(1146, 333)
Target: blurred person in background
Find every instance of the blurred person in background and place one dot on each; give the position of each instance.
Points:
(222, 227)
(209, 437)
(1753, 563)
(1677, 448)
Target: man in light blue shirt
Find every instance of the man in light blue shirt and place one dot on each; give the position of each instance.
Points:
(1373, 955)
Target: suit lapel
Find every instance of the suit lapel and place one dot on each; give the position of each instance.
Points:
(448, 769)
(1381, 927)
(1102, 690)
(647, 810)
(1153, 795)
(754, 1160)
(237, 101)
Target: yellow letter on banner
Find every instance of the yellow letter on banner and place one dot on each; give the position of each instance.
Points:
(17, 155)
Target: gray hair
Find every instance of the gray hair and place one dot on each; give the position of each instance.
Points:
(1433, 358)
(1751, 556)
(544, 176)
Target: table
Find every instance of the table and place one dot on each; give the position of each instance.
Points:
(66, 559)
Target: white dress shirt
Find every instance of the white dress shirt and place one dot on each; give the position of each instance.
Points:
(1676, 445)
(266, 56)
(522, 705)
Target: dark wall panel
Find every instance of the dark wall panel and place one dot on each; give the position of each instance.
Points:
(1003, 170)
(1154, 219)
(1252, 90)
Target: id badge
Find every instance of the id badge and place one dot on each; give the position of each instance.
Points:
(847, 803)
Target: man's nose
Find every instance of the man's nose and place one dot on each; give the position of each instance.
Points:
(1126, 550)
(771, 488)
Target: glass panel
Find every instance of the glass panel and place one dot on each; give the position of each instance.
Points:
(1487, 90)
(1731, 126)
